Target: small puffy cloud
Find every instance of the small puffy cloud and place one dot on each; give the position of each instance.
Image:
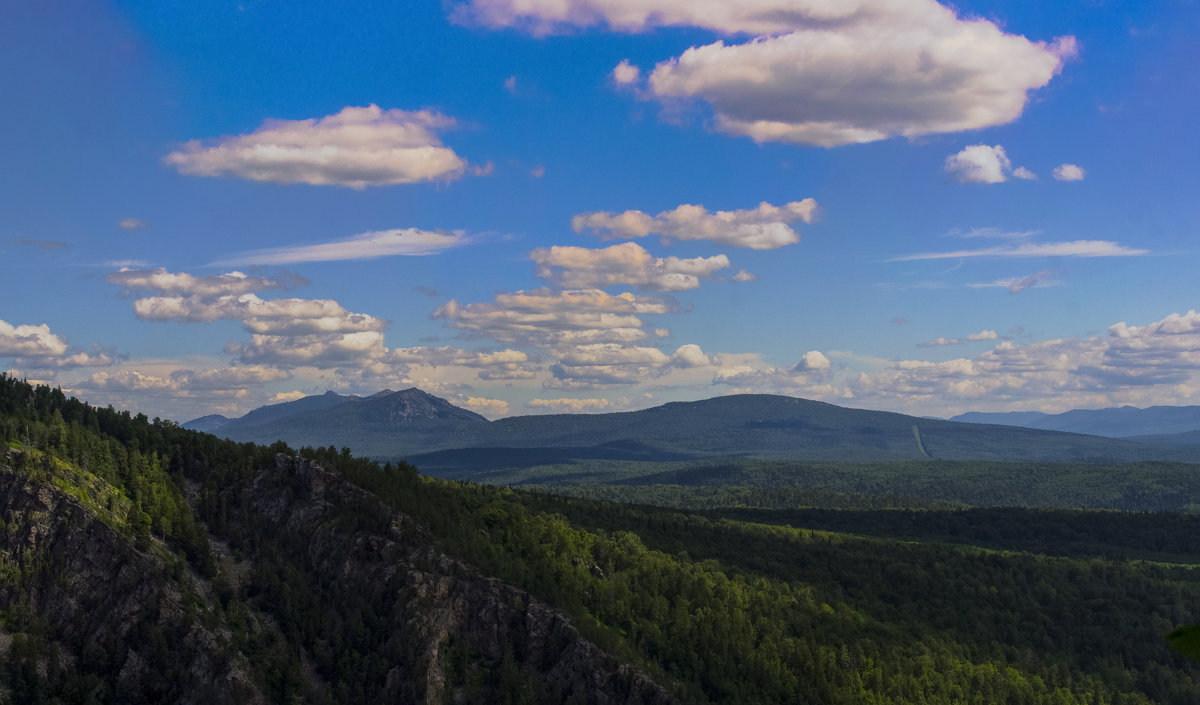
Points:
(318, 350)
(624, 264)
(814, 361)
(983, 335)
(1023, 173)
(568, 406)
(744, 276)
(763, 228)
(408, 242)
(605, 364)
(356, 148)
(546, 318)
(690, 355)
(625, 74)
(979, 164)
(538, 171)
(130, 225)
(1069, 172)
(1078, 248)
(510, 84)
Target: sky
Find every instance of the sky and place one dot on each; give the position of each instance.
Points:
(546, 206)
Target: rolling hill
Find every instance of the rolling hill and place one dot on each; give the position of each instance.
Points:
(425, 429)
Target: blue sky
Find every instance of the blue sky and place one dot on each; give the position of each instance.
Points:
(598, 205)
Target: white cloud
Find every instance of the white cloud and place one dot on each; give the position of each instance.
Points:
(491, 366)
(409, 242)
(37, 348)
(1153, 364)
(491, 408)
(813, 360)
(132, 224)
(163, 282)
(973, 337)
(538, 171)
(510, 84)
(690, 355)
(1078, 248)
(1069, 172)
(763, 228)
(624, 264)
(1023, 173)
(625, 74)
(568, 406)
(553, 319)
(979, 164)
(744, 276)
(357, 147)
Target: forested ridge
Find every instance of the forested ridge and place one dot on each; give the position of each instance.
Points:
(722, 605)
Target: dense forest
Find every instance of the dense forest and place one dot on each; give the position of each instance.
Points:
(716, 599)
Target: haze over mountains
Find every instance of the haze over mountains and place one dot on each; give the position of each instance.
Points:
(432, 432)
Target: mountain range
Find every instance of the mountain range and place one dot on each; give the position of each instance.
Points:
(435, 434)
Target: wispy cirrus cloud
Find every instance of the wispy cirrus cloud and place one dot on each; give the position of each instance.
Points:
(1077, 248)
(973, 337)
(408, 242)
(39, 244)
(356, 148)
(1016, 285)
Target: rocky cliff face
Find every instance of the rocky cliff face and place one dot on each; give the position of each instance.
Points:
(139, 626)
(120, 619)
(435, 606)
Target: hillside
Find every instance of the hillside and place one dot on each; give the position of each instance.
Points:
(1117, 422)
(441, 437)
(148, 563)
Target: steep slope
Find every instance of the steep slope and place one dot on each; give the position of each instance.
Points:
(83, 605)
(378, 425)
(364, 563)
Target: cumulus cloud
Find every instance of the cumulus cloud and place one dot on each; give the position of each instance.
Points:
(1151, 362)
(744, 276)
(762, 228)
(356, 148)
(625, 74)
(1069, 172)
(35, 346)
(814, 361)
(979, 164)
(130, 225)
(1023, 173)
(552, 319)
(568, 406)
(690, 355)
(409, 242)
(624, 264)
(282, 397)
(1078, 248)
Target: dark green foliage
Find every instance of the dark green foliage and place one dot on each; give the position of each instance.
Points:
(730, 605)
